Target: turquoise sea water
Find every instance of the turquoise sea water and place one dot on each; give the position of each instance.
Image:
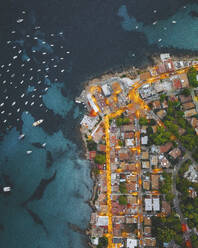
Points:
(59, 45)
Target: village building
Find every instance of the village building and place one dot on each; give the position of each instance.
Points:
(164, 161)
(145, 155)
(194, 122)
(144, 140)
(189, 113)
(166, 208)
(154, 160)
(146, 185)
(155, 181)
(161, 114)
(188, 105)
(149, 242)
(147, 230)
(144, 76)
(175, 153)
(101, 148)
(185, 99)
(147, 221)
(177, 85)
(145, 164)
(132, 243)
(184, 80)
(156, 104)
(166, 147)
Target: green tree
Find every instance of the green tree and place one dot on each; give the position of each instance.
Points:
(143, 121)
(122, 121)
(165, 234)
(100, 158)
(103, 242)
(122, 188)
(91, 145)
(192, 77)
(186, 92)
(122, 200)
(162, 97)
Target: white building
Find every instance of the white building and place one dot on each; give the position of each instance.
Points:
(164, 56)
(131, 243)
(144, 140)
(102, 221)
(148, 204)
(156, 204)
(93, 105)
(88, 121)
(106, 90)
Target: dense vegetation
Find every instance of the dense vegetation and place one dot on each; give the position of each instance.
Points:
(122, 200)
(122, 188)
(173, 121)
(103, 242)
(167, 229)
(91, 145)
(192, 77)
(166, 186)
(188, 205)
(100, 158)
(160, 137)
(143, 121)
(122, 121)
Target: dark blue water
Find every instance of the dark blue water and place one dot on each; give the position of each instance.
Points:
(45, 60)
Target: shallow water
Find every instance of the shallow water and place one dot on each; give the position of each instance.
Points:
(60, 44)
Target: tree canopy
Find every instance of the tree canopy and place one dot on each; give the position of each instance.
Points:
(192, 77)
(100, 158)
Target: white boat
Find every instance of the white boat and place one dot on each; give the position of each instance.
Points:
(20, 20)
(173, 21)
(36, 123)
(44, 144)
(6, 189)
(154, 23)
(21, 136)
(29, 152)
(160, 40)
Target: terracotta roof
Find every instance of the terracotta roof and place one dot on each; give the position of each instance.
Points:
(155, 181)
(123, 156)
(101, 147)
(145, 75)
(156, 104)
(176, 152)
(188, 105)
(184, 99)
(147, 230)
(166, 208)
(189, 113)
(129, 135)
(194, 122)
(147, 221)
(92, 155)
(146, 185)
(145, 155)
(161, 68)
(150, 241)
(161, 114)
(166, 147)
(177, 84)
(184, 80)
